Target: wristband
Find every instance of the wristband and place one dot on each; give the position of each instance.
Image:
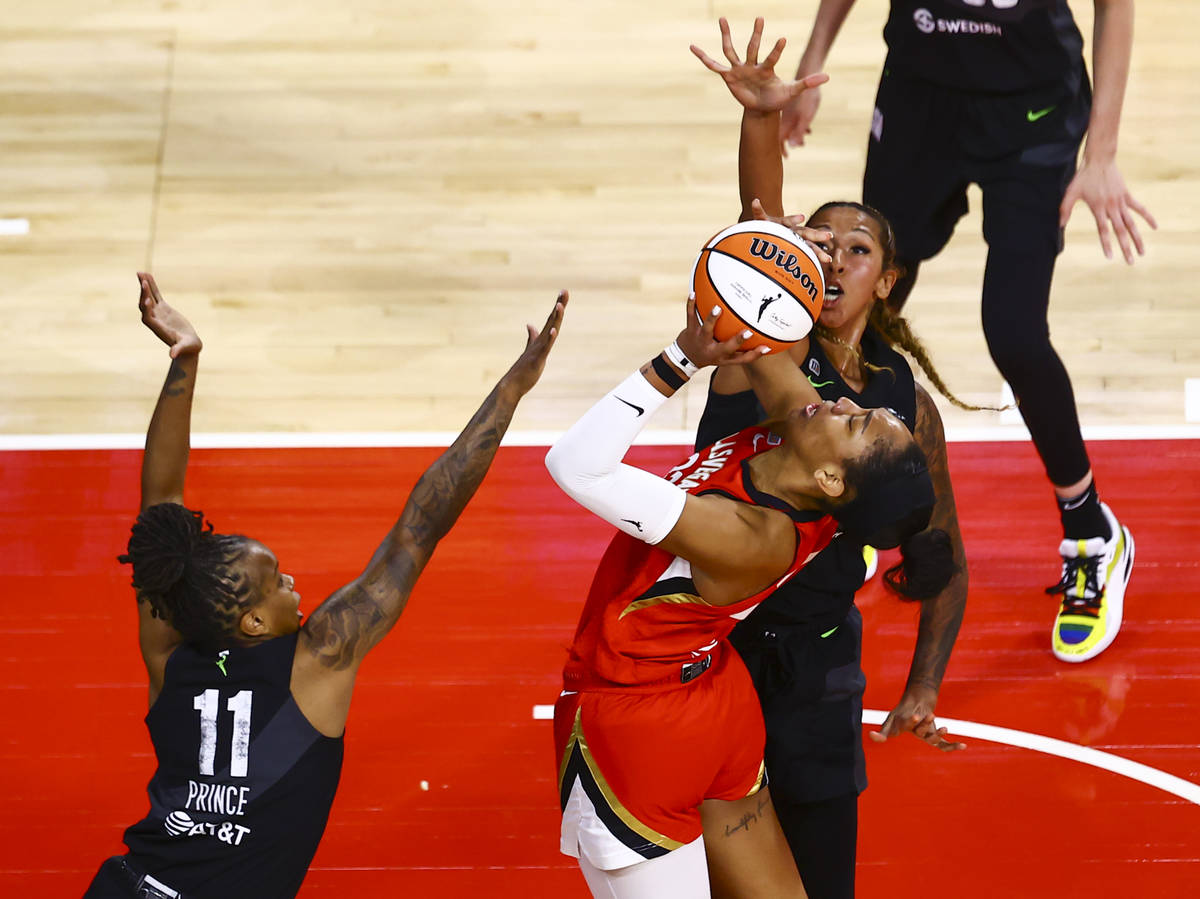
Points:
(669, 376)
(679, 360)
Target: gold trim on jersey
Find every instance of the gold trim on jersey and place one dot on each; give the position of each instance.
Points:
(667, 599)
(577, 739)
(758, 782)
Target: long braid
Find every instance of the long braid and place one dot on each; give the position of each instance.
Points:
(894, 328)
(184, 571)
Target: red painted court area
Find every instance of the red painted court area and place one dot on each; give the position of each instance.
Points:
(447, 699)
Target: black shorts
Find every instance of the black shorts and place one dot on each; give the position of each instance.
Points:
(929, 142)
(810, 688)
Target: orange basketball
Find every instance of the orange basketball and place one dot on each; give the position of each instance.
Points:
(765, 279)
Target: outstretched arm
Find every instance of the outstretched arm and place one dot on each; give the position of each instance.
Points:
(164, 461)
(940, 616)
(761, 93)
(1099, 182)
(351, 621)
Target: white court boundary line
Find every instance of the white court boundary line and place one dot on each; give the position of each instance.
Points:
(1106, 761)
(404, 439)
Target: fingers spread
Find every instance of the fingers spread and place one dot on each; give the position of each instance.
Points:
(755, 39)
(709, 63)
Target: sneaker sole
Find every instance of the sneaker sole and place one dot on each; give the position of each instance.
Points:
(1114, 599)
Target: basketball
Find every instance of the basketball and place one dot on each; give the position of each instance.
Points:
(765, 279)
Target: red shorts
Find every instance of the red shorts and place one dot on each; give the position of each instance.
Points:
(634, 767)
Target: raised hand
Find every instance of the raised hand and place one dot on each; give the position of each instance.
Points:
(753, 84)
(168, 325)
(698, 344)
(528, 367)
(914, 713)
(1101, 186)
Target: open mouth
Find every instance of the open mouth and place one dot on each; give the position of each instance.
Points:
(833, 293)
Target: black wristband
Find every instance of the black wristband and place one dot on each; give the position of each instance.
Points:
(669, 376)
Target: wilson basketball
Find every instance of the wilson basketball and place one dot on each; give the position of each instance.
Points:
(765, 279)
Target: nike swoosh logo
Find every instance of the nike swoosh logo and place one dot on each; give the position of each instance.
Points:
(820, 385)
(636, 524)
(1033, 115)
(638, 409)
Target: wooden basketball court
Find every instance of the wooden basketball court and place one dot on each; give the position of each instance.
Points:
(359, 204)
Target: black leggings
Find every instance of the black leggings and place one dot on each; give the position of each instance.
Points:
(1016, 297)
(823, 838)
(918, 170)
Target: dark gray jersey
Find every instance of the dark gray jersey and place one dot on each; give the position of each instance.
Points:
(244, 783)
(985, 46)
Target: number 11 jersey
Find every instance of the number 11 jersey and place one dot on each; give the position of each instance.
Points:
(244, 782)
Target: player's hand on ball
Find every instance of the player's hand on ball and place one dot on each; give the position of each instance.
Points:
(812, 236)
(168, 324)
(698, 344)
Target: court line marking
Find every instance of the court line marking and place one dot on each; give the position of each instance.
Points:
(1106, 761)
(437, 439)
(14, 227)
(1191, 399)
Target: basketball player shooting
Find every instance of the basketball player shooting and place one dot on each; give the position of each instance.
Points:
(248, 701)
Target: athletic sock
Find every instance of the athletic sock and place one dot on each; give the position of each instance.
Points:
(1082, 517)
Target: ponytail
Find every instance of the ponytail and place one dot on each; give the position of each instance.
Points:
(926, 565)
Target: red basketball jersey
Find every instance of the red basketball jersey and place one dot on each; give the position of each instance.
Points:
(644, 626)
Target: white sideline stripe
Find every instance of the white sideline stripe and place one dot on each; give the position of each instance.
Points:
(1024, 740)
(1191, 399)
(14, 227)
(348, 439)
(1153, 777)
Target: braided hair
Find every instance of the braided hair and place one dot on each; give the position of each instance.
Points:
(186, 573)
(893, 327)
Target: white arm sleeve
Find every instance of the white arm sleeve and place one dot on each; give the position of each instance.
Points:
(586, 463)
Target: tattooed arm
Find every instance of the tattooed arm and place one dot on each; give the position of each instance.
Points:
(336, 637)
(940, 616)
(164, 462)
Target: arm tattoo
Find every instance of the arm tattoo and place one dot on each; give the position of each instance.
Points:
(357, 617)
(174, 374)
(942, 615)
(338, 628)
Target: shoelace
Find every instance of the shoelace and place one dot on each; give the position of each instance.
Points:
(1091, 584)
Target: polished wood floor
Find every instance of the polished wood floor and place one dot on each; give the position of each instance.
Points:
(360, 202)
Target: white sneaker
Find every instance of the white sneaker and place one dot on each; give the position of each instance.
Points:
(1094, 577)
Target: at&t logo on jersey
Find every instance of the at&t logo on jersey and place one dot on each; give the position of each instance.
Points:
(180, 824)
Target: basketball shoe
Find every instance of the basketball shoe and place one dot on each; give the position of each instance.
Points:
(1095, 574)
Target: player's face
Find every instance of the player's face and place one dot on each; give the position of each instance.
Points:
(856, 277)
(842, 430)
(274, 599)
